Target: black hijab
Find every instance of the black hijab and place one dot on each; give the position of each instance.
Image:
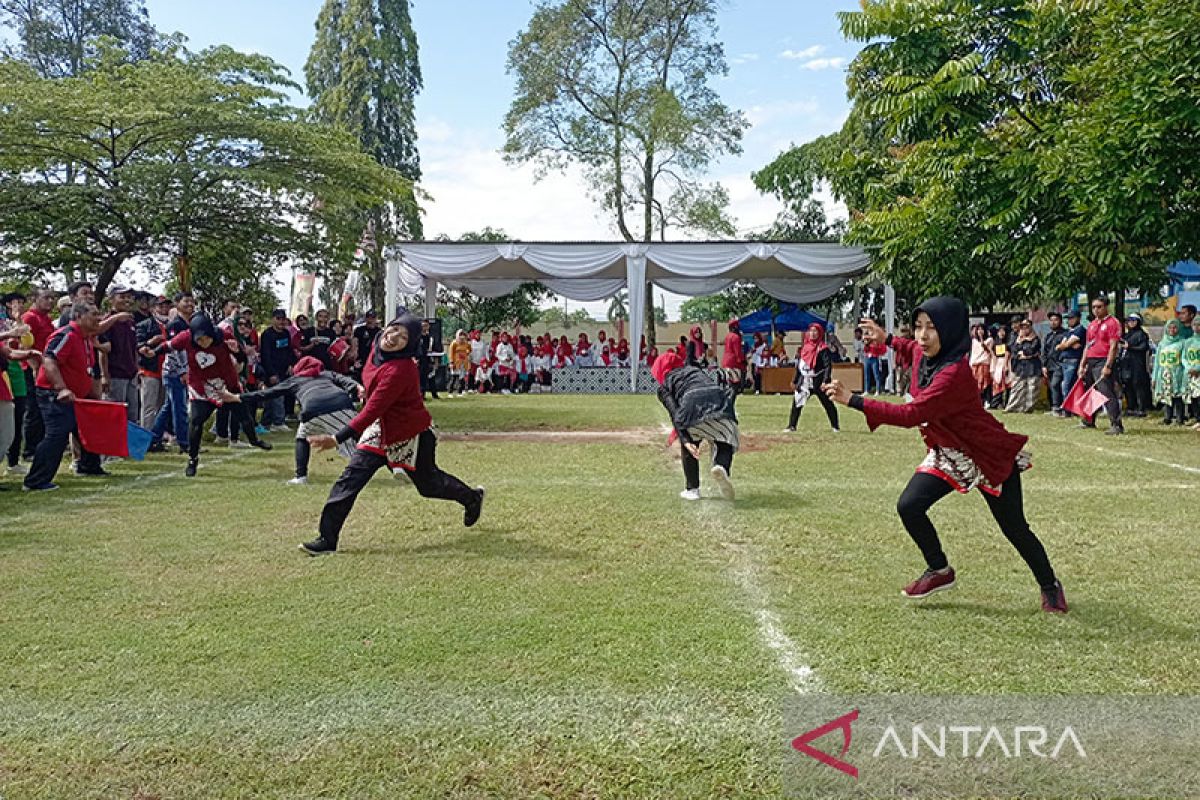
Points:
(953, 324)
(202, 325)
(413, 326)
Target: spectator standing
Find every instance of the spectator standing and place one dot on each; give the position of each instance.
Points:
(999, 348)
(119, 381)
(873, 376)
(174, 372)
(1134, 367)
(41, 326)
(733, 359)
(1071, 354)
(19, 339)
(151, 334)
(277, 359)
(1169, 377)
(859, 347)
(1186, 315)
(1052, 368)
(1191, 371)
(65, 375)
(903, 359)
(365, 335)
(1100, 355)
(315, 341)
(980, 361)
(77, 292)
(1026, 361)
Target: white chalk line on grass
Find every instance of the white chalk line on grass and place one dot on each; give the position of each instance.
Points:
(138, 482)
(1135, 456)
(747, 576)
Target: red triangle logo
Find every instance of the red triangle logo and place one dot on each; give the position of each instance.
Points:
(802, 743)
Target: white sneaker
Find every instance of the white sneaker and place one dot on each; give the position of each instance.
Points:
(280, 429)
(505, 391)
(220, 440)
(837, 430)
(239, 445)
(789, 430)
(18, 469)
(721, 478)
(690, 494)
(301, 481)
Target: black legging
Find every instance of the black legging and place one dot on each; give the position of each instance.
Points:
(1008, 509)
(201, 410)
(830, 411)
(723, 456)
(427, 477)
(19, 404)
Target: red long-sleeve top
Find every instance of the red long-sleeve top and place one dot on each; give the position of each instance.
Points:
(733, 357)
(204, 364)
(393, 392)
(950, 415)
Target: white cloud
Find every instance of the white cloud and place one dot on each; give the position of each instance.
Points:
(743, 58)
(801, 55)
(764, 113)
(823, 63)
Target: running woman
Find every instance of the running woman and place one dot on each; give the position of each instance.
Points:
(967, 447)
(393, 429)
(701, 410)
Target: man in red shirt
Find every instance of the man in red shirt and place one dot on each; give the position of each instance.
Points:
(41, 325)
(733, 359)
(65, 374)
(1103, 338)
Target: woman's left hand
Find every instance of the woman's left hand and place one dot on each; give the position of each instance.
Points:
(694, 449)
(837, 392)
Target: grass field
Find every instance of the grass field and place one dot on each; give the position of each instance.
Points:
(594, 636)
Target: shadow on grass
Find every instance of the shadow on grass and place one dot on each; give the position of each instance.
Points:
(1088, 620)
(775, 500)
(484, 544)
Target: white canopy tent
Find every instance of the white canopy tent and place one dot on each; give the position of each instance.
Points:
(797, 272)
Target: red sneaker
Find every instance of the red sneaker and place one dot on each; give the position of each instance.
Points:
(929, 582)
(1054, 601)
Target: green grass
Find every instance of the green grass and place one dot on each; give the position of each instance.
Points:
(594, 636)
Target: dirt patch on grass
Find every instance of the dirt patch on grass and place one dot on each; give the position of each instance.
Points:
(629, 436)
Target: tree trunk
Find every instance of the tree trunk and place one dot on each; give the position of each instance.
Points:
(1119, 304)
(650, 327)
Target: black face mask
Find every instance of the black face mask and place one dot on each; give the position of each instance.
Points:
(949, 316)
(413, 326)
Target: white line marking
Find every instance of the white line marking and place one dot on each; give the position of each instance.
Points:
(1119, 454)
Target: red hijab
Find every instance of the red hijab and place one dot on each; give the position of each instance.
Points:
(665, 364)
(308, 367)
(813, 347)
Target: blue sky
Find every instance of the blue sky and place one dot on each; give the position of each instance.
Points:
(787, 74)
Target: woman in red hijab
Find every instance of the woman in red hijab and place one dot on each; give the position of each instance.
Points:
(697, 351)
(814, 369)
(701, 410)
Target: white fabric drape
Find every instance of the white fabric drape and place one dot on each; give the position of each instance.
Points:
(635, 266)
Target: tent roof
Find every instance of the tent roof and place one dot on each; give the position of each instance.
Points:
(798, 271)
(789, 318)
(1185, 270)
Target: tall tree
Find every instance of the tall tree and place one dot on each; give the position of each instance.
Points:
(622, 90)
(58, 37)
(180, 153)
(363, 75)
(951, 158)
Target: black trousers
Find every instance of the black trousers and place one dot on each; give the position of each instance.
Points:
(1174, 411)
(830, 411)
(303, 453)
(1137, 389)
(19, 404)
(429, 479)
(201, 410)
(34, 428)
(1093, 369)
(1055, 387)
(60, 424)
(691, 467)
(1008, 509)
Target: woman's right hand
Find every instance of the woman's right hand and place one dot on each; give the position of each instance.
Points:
(836, 391)
(873, 332)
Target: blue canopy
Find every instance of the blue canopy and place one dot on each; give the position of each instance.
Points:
(789, 318)
(1184, 271)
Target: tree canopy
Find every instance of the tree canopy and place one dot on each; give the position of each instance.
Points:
(975, 151)
(363, 76)
(58, 38)
(177, 153)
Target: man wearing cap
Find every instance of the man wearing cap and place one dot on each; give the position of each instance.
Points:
(119, 366)
(143, 304)
(1052, 365)
(1071, 350)
(152, 333)
(277, 357)
(1099, 360)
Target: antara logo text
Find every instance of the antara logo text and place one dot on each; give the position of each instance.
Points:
(945, 741)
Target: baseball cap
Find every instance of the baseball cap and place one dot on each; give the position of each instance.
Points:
(279, 313)
(119, 288)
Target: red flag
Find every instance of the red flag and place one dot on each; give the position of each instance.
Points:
(1084, 403)
(102, 428)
